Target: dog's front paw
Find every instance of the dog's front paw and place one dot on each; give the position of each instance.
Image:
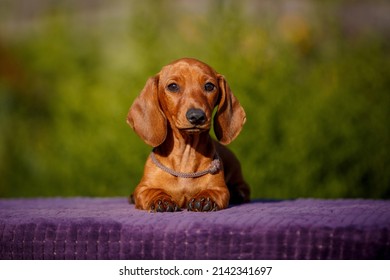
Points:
(164, 205)
(202, 204)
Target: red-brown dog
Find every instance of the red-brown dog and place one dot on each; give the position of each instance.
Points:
(187, 168)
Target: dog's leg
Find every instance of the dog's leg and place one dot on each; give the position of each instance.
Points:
(239, 192)
(238, 188)
(154, 199)
(209, 200)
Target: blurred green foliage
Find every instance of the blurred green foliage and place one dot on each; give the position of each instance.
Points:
(316, 92)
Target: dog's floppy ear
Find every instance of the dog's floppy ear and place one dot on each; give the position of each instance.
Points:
(146, 117)
(230, 116)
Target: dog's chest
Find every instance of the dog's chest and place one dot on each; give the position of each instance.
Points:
(187, 188)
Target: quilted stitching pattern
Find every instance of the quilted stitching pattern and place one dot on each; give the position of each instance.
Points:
(109, 228)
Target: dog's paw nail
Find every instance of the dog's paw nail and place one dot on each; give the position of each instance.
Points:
(198, 205)
(190, 205)
(160, 208)
(169, 207)
(207, 207)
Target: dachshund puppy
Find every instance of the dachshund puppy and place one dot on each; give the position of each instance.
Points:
(187, 168)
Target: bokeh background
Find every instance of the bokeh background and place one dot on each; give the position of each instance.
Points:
(313, 77)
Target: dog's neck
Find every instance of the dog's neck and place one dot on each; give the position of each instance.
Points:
(185, 152)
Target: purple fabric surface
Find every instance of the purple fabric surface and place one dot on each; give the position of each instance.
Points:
(109, 228)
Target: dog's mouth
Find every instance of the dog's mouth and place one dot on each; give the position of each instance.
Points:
(193, 130)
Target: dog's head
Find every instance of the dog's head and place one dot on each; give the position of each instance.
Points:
(183, 95)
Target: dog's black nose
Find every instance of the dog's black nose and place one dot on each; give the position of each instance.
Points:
(196, 116)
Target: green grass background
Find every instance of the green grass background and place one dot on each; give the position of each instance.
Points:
(313, 77)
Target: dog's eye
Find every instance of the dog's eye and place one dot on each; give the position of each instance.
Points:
(173, 87)
(209, 87)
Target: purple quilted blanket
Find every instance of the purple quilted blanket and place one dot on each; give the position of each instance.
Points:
(109, 228)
